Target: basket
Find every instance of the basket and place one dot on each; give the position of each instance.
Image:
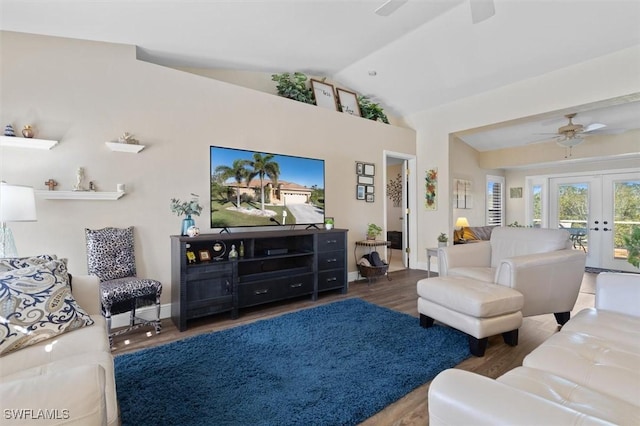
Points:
(372, 271)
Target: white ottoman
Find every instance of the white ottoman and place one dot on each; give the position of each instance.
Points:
(477, 308)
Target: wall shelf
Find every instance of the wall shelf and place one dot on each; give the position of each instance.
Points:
(31, 143)
(80, 195)
(124, 147)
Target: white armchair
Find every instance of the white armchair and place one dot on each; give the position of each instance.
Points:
(539, 263)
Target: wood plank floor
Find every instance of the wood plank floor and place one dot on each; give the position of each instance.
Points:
(398, 294)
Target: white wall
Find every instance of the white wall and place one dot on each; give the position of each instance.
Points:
(606, 77)
(85, 93)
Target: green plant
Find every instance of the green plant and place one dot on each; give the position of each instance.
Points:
(328, 220)
(373, 230)
(632, 243)
(182, 208)
(443, 238)
(371, 110)
(293, 86)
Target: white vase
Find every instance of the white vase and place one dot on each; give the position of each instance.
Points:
(442, 243)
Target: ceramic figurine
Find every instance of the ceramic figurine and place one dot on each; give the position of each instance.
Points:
(27, 132)
(79, 179)
(193, 231)
(8, 130)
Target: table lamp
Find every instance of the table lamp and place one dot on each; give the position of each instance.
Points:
(462, 222)
(17, 204)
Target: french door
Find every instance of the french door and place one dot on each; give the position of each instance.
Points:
(597, 210)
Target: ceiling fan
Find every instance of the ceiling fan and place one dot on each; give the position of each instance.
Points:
(572, 134)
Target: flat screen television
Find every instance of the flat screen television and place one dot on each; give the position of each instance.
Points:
(250, 188)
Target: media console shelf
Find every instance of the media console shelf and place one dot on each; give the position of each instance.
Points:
(276, 265)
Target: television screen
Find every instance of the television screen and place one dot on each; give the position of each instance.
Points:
(250, 188)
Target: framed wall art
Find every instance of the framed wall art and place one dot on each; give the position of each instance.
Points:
(365, 180)
(360, 193)
(370, 198)
(431, 189)
(359, 168)
(369, 170)
(370, 189)
(324, 94)
(462, 196)
(349, 102)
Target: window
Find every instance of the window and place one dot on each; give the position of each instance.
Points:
(495, 200)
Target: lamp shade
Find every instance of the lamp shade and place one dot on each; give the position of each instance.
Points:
(17, 203)
(462, 222)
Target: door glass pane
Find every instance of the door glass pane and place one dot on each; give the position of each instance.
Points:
(537, 206)
(626, 205)
(573, 212)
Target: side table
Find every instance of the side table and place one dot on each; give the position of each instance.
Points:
(432, 251)
(373, 271)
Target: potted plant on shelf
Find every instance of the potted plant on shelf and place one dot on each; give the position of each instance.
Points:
(371, 110)
(373, 231)
(632, 243)
(293, 87)
(187, 208)
(442, 239)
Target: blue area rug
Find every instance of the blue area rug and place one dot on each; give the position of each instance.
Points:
(336, 364)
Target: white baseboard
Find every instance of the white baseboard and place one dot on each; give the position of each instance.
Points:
(147, 312)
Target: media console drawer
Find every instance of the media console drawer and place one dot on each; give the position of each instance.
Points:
(258, 292)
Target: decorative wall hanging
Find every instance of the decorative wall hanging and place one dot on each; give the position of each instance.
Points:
(431, 189)
(462, 194)
(365, 173)
(394, 190)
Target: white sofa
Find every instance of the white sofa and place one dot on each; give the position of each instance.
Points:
(538, 263)
(588, 373)
(68, 379)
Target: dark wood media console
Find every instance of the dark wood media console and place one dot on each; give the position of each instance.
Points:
(276, 265)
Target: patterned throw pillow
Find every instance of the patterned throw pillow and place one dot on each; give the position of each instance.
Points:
(110, 253)
(36, 304)
(9, 263)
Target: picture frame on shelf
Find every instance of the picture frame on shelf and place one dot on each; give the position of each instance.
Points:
(365, 180)
(369, 169)
(348, 102)
(191, 257)
(359, 168)
(324, 94)
(370, 189)
(360, 192)
(370, 198)
(204, 255)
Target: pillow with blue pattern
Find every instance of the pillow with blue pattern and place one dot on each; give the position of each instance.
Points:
(36, 304)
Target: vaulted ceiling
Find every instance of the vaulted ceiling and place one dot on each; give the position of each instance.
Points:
(424, 54)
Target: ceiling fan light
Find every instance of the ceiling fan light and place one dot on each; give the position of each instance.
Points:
(569, 142)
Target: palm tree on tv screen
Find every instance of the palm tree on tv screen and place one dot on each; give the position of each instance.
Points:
(238, 171)
(263, 166)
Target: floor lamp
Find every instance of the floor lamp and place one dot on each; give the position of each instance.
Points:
(17, 204)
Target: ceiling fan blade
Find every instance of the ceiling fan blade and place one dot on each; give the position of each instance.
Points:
(593, 126)
(388, 7)
(481, 10)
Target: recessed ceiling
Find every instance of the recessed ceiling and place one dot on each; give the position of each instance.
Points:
(424, 54)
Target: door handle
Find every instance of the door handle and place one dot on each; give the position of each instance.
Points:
(594, 229)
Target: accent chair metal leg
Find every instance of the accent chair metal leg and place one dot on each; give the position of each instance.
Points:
(132, 313)
(107, 317)
(158, 324)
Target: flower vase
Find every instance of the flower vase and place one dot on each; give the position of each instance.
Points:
(187, 222)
